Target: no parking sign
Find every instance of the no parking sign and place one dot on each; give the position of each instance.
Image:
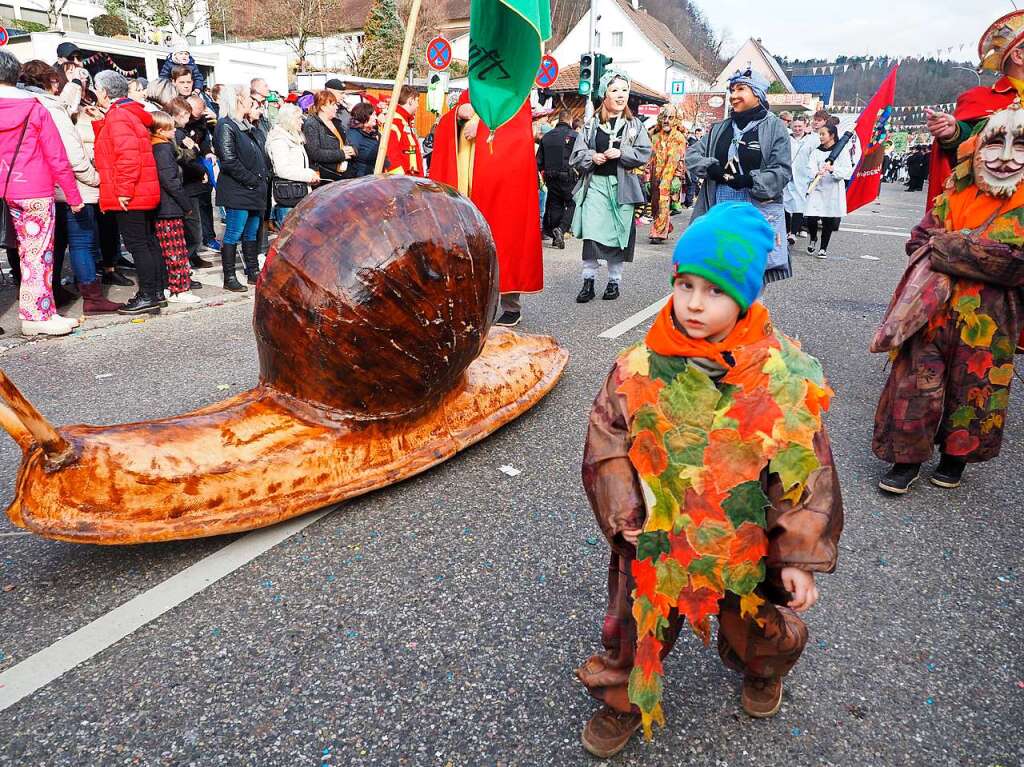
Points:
(5, 36)
(439, 54)
(548, 72)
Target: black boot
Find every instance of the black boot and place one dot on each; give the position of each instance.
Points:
(611, 291)
(142, 304)
(558, 239)
(949, 472)
(900, 477)
(586, 292)
(251, 259)
(227, 262)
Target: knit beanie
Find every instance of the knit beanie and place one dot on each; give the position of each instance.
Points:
(728, 246)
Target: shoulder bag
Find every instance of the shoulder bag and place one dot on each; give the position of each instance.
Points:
(10, 237)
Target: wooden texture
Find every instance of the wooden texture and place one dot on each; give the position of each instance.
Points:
(376, 363)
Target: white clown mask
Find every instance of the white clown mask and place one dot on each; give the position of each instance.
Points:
(999, 156)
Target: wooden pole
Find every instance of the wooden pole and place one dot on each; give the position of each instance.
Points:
(403, 66)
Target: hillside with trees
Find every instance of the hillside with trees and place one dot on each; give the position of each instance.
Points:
(920, 81)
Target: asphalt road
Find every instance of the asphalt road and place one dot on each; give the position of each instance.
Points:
(438, 622)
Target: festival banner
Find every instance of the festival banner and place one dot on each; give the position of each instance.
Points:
(872, 132)
(505, 46)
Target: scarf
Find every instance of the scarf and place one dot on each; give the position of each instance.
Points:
(667, 339)
(742, 119)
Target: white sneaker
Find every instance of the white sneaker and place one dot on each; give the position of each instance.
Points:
(51, 327)
(74, 322)
(167, 293)
(812, 246)
(188, 297)
(821, 254)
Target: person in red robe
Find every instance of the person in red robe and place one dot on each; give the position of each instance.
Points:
(499, 174)
(404, 152)
(1000, 51)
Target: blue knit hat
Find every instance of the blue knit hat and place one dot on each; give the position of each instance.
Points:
(728, 246)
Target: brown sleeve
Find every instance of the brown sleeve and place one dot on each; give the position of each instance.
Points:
(806, 535)
(609, 480)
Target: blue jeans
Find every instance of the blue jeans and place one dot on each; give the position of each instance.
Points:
(83, 242)
(240, 225)
(279, 214)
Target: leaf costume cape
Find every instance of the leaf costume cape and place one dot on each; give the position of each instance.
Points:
(700, 451)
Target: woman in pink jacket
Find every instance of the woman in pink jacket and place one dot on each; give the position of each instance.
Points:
(32, 162)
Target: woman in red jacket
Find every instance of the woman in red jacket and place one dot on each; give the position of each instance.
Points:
(129, 185)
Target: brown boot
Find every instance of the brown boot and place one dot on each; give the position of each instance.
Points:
(608, 732)
(761, 697)
(95, 302)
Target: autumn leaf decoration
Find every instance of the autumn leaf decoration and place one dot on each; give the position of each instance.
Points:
(699, 450)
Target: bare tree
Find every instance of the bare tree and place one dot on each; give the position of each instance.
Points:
(54, 10)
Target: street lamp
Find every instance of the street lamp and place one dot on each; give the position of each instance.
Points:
(972, 71)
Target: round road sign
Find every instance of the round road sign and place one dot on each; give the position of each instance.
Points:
(548, 72)
(439, 54)
(5, 36)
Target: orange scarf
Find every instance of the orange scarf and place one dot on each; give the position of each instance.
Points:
(971, 208)
(666, 339)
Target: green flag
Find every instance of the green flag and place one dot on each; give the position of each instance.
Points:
(505, 38)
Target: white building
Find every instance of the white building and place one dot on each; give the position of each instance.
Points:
(754, 55)
(77, 16)
(639, 44)
(222, 63)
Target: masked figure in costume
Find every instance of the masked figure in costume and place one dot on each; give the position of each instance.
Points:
(952, 325)
(498, 172)
(1000, 50)
(668, 164)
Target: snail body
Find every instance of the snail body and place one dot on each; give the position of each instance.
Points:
(376, 363)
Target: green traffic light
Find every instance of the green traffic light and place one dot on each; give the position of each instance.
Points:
(584, 88)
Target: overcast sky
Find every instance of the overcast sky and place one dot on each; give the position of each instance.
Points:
(808, 29)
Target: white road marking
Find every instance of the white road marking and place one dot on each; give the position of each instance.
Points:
(14, 534)
(37, 671)
(904, 235)
(633, 320)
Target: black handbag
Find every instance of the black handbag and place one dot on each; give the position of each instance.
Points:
(10, 237)
(287, 193)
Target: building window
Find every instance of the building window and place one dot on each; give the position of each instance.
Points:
(40, 17)
(616, 39)
(76, 24)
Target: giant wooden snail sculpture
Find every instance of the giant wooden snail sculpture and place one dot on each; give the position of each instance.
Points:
(372, 322)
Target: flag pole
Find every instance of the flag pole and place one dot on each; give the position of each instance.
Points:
(403, 65)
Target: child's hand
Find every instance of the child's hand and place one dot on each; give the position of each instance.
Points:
(800, 584)
(631, 535)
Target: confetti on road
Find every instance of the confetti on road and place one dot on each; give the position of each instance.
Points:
(104, 375)
(223, 387)
(511, 471)
(871, 258)
(592, 540)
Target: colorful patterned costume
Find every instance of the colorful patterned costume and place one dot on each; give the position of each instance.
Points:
(732, 480)
(668, 164)
(953, 324)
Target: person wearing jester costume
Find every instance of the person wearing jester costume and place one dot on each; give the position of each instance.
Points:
(952, 326)
(710, 473)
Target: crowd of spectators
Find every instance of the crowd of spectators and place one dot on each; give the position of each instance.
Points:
(122, 175)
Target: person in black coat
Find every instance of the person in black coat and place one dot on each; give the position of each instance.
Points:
(917, 168)
(325, 138)
(242, 185)
(364, 138)
(174, 204)
(553, 163)
(194, 140)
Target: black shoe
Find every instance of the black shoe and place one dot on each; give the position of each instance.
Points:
(142, 304)
(611, 291)
(900, 477)
(199, 263)
(558, 239)
(227, 259)
(586, 292)
(508, 319)
(251, 261)
(115, 278)
(251, 277)
(124, 263)
(812, 247)
(194, 285)
(949, 472)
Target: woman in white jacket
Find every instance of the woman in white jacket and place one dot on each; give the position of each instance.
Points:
(794, 197)
(76, 232)
(827, 202)
(285, 147)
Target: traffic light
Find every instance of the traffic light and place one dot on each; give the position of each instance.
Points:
(600, 62)
(586, 86)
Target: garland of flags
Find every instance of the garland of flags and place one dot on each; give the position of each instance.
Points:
(103, 58)
(873, 62)
(903, 117)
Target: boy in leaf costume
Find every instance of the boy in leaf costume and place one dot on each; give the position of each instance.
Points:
(957, 315)
(710, 473)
